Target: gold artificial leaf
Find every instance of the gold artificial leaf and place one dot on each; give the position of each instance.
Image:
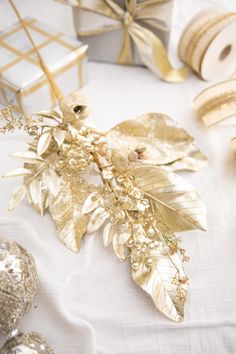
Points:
(17, 197)
(164, 139)
(44, 142)
(108, 233)
(172, 198)
(40, 195)
(50, 117)
(160, 281)
(66, 213)
(52, 181)
(35, 190)
(91, 203)
(193, 161)
(118, 247)
(18, 172)
(118, 242)
(59, 136)
(97, 219)
(27, 157)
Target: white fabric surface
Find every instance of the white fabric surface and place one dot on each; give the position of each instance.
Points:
(88, 303)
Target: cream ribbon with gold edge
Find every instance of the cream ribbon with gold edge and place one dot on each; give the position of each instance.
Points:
(134, 19)
(208, 44)
(217, 103)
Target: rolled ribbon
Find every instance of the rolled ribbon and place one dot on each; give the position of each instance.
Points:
(134, 19)
(208, 43)
(217, 102)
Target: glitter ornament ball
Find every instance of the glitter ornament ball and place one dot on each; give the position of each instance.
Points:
(18, 280)
(31, 343)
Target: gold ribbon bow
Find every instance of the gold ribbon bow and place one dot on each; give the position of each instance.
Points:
(134, 18)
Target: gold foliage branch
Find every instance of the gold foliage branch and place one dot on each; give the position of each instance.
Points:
(121, 181)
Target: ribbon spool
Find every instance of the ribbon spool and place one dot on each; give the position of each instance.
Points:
(217, 102)
(208, 43)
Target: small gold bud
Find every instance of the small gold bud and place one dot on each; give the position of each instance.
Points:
(123, 258)
(130, 243)
(151, 245)
(148, 261)
(135, 265)
(74, 108)
(72, 162)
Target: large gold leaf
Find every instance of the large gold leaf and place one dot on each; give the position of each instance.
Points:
(65, 210)
(165, 141)
(194, 160)
(172, 198)
(159, 281)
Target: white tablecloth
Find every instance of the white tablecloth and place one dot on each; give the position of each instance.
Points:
(88, 303)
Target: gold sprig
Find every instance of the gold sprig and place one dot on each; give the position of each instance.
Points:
(11, 122)
(120, 181)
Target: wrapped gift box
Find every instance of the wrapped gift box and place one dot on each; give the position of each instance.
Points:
(23, 84)
(105, 46)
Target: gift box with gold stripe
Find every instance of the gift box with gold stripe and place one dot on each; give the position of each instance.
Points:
(129, 32)
(23, 84)
(121, 30)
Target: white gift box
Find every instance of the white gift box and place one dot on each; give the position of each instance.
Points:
(23, 84)
(106, 46)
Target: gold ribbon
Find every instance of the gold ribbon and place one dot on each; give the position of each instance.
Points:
(217, 102)
(198, 36)
(133, 19)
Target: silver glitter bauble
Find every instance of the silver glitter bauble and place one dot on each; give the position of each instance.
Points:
(18, 279)
(31, 343)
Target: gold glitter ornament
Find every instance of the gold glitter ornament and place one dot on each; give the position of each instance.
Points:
(18, 283)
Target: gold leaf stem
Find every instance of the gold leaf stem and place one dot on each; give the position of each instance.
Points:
(168, 253)
(40, 170)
